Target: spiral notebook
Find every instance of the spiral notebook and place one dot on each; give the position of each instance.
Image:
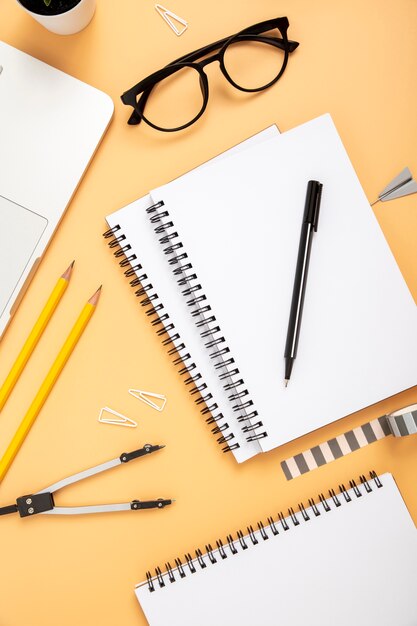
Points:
(349, 558)
(212, 257)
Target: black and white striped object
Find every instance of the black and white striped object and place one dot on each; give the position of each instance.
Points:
(399, 423)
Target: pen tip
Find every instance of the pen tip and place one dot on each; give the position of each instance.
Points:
(286, 382)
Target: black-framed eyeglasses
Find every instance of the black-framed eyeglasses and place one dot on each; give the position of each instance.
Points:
(176, 96)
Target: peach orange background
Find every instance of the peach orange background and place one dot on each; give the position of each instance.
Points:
(356, 60)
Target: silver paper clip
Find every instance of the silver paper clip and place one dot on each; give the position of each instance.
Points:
(145, 396)
(117, 420)
(169, 16)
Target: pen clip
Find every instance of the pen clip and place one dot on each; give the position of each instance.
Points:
(315, 220)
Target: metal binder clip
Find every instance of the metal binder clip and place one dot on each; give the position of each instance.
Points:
(145, 396)
(166, 14)
(44, 502)
(121, 420)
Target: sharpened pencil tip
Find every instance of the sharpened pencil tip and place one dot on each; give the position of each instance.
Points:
(96, 296)
(286, 382)
(67, 274)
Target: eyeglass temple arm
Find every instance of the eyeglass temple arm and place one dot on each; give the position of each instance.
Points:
(256, 29)
(277, 41)
(135, 118)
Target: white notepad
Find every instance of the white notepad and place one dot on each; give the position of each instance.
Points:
(237, 222)
(134, 236)
(353, 564)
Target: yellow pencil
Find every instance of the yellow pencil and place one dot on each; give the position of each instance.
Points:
(35, 335)
(48, 383)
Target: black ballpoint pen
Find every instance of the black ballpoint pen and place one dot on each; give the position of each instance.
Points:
(309, 226)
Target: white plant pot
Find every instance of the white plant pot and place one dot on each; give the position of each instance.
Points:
(67, 23)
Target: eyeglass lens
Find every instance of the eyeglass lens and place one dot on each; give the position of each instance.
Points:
(176, 100)
(253, 64)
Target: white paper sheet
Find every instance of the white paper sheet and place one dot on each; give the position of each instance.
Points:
(240, 221)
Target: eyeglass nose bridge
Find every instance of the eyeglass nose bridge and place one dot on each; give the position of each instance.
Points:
(209, 59)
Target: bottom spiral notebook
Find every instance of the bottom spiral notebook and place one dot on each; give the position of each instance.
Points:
(343, 560)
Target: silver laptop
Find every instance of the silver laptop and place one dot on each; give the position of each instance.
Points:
(50, 127)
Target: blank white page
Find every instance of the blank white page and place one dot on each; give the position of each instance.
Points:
(239, 221)
(355, 565)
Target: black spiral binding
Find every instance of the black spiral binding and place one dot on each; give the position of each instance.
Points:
(165, 329)
(205, 320)
(263, 532)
